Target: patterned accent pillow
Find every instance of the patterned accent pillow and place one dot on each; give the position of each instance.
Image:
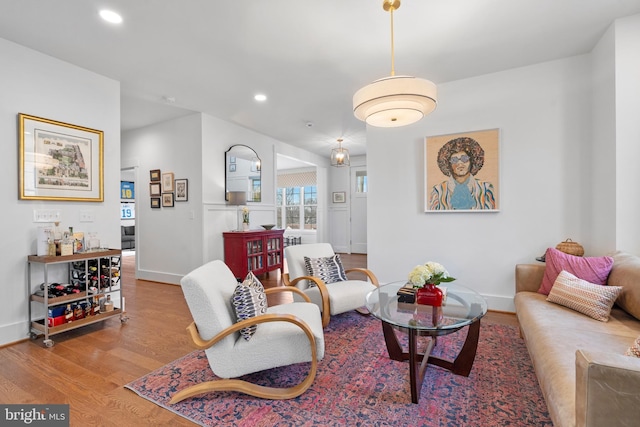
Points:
(634, 350)
(249, 300)
(593, 300)
(329, 269)
(592, 269)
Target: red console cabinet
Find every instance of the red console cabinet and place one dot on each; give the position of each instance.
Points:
(259, 251)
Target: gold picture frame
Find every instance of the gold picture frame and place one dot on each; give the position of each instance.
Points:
(59, 161)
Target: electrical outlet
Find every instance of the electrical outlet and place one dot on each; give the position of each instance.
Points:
(86, 216)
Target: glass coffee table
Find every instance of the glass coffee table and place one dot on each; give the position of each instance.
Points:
(463, 307)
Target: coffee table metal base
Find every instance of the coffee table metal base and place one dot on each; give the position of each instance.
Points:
(418, 361)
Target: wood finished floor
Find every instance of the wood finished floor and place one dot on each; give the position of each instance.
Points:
(88, 367)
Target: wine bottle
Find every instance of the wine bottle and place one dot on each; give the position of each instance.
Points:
(68, 314)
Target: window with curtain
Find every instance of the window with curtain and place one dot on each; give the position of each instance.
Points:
(297, 200)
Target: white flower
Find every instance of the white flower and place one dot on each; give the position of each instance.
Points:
(430, 272)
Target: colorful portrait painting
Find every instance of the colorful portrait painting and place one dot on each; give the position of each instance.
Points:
(462, 172)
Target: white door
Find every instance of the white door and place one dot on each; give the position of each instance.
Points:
(359, 209)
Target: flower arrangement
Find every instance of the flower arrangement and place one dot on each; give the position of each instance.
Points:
(429, 273)
(245, 215)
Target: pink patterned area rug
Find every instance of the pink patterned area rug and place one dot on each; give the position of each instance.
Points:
(358, 385)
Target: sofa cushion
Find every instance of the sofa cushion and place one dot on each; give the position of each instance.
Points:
(587, 298)
(249, 300)
(329, 269)
(592, 269)
(626, 273)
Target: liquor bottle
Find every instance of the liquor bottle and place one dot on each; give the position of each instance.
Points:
(68, 314)
(66, 247)
(78, 312)
(108, 305)
(51, 246)
(57, 236)
(95, 306)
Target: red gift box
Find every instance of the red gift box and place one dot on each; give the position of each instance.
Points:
(56, 321)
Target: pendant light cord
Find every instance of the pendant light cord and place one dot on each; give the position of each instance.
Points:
(393, 69)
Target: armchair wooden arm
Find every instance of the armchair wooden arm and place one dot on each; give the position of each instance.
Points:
(372, 277)
(324, 293)
(244, 386)
(287, 289)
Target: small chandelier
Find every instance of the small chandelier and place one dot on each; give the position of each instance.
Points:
(340, 156)
(395, 100)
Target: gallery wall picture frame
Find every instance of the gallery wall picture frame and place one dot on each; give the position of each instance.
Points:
(155, 188)
(167, 200)
(154, 175)
(182, 190)
(59, 161)
(155, 202)
(167, 182)
(340, 197)
(462, 172)
(232, 167)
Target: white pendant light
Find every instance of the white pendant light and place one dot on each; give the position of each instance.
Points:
(395, 100)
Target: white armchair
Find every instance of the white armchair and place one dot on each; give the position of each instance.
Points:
(286, 334)
(331, 298)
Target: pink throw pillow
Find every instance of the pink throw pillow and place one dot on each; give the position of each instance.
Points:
(592, 269)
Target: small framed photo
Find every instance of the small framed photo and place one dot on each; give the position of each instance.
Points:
(155, 203)
(167, 182)
(182, 190)
(167, 200)
(155, 188)
(154, 175)
(232, 159)
(339, 197)
(232, 167)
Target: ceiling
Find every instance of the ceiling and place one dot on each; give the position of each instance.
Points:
(309, 57)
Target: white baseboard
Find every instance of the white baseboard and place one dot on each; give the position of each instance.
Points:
(500, 303)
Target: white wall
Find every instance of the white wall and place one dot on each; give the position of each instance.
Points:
(169, 239)
(612, 183)
(173, 241)
(627, 136)
(39, 85)
(543, 115)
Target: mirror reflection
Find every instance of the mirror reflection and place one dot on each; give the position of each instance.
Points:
(243, 172)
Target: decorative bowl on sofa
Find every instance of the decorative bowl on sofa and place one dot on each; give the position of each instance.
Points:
(268, 226)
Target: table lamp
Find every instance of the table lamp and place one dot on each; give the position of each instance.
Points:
(237, 199)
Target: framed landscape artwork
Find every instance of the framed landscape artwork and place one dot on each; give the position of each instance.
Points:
(462, 172)
(59, 161)
(339, 197)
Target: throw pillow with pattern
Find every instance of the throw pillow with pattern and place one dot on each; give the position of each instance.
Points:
(634, 350)
(593, 300)
(328, 269)
(249, 300)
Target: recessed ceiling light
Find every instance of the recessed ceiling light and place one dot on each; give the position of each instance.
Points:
(260, 97)
(111, 16)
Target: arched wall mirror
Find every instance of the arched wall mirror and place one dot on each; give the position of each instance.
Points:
(243, 172)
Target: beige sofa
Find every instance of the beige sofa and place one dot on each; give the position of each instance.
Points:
(584, 375)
